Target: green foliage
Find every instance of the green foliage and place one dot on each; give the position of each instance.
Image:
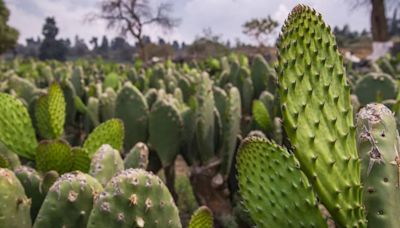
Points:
(8, 35)
(318, 116)
(268, 175)
(16, 131)
(110, 132)
(15, 205)
(202, 218)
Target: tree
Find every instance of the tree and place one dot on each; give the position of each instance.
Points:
(260, 29)
(51, 48)
(379, 26)
(8, 35)
(131, 16)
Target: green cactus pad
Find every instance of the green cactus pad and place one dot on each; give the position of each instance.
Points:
(68, 202)
(110, 132)
(261, 115)
(201, 218)
(231, 128)
(80, 160)
(131, 107)
(107, 105)
(378, 147)
(138, 157)
(317, 114)
(31, 181)
(106, 162)
(14, 205)
(12, 158)
(135, 198)
(165, 129)
(50, 113)
(49, 178)
(54, 155)
(205, 119)
(16, 131)
(375, 87)
(273, 188)
(4, 162)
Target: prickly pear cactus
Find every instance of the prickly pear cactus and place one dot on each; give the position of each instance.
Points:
(375, 87)
(69, 202)
(106, 162)
(262, 75)
(201, 218)
(230, 128)
(54, 155)
(110, 132)
(15, 206)
(165, 129)
(378, 146)
(4, 162)
(31, 180)
(80, 159)
(131, 107)
(138, 157)
(134, 198)
(261, 116)
(273, 188)
(107, 105)
(317, 114)
(16, 131)
(50, 113)
(205, 119)
(11, 158)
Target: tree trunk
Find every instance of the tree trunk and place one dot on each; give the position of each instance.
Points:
(379, 27)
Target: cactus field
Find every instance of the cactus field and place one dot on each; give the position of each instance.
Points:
(305, 139)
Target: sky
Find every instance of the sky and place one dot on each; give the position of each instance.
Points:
(224, 17)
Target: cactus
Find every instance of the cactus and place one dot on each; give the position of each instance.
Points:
(23, 88)
(92, 114)
(273, 188)
(15, 206)
(54, 155)
(165, 130)
(151, 97)
(16, 131)
(50, 113)
(261, 116)
(201, 218)
(378, 146)
(80, 160)
(231, 128)
(69, 95)
(68, 202)
(205, 120)
(138, 157)
(110, 132)
(107, 105)
(11, 158)
(112, 81)
(262, 75)
(375, 87)
(77, 81)
(31, 181)
(106, 162)
(4, 162)
(317, 114)
(132, 109)
(49, 178)
(134, 198)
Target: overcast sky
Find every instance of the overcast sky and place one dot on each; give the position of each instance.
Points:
(224, 17)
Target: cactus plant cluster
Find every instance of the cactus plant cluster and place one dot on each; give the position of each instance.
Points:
(78, 140)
